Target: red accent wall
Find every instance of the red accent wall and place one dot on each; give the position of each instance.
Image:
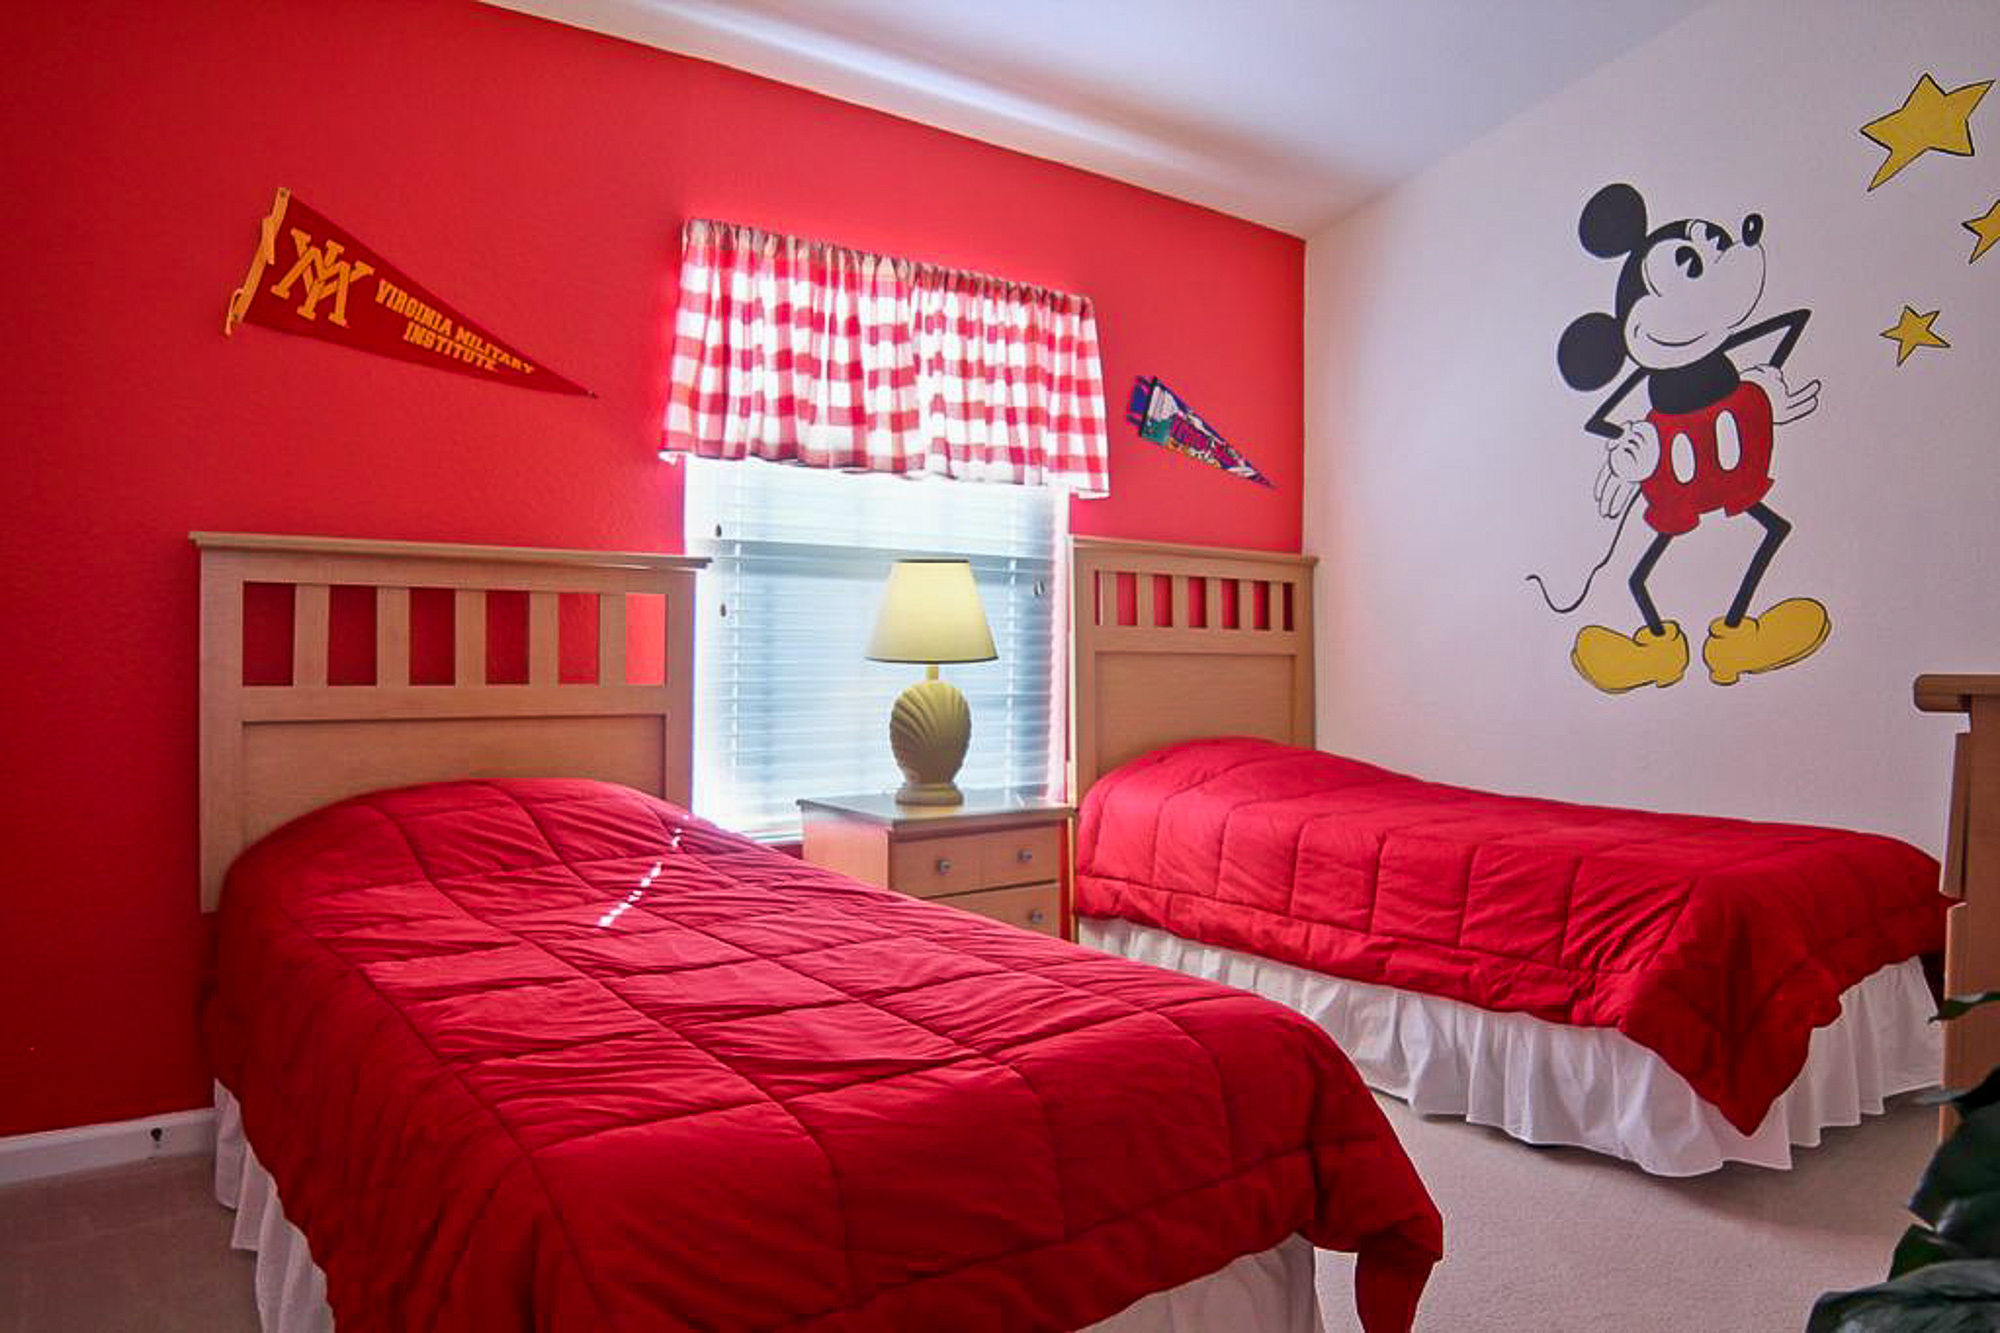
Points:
(537, 177)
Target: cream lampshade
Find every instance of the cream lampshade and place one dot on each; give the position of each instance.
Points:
(930, 613)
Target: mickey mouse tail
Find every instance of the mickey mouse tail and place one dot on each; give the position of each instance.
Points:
(1542, 586)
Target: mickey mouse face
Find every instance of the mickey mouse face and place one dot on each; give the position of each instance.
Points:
(1682, 289)
(1700, 285)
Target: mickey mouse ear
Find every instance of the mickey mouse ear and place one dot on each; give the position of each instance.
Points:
(1591, 353)
(1613, 222)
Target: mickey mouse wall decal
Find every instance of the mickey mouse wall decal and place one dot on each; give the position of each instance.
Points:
(1684, 298)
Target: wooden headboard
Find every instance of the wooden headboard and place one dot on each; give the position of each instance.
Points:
(1172, 643)
(270, 752)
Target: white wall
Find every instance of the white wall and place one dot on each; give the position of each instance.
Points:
(1446, 458)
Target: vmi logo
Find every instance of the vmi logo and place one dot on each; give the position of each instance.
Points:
(325, 273)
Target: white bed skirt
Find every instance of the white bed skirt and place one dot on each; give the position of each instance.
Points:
(1270, 1290)
(1547, 1083)
(291, 1291)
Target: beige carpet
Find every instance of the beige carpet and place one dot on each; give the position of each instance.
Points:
(132, 1249)
(1555, 1240)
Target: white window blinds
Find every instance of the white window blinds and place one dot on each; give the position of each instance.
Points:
(786, 704)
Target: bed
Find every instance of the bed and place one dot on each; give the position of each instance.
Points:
(502, 1049)
(1674, 990)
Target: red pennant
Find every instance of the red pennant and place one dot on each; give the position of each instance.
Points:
(312, 278)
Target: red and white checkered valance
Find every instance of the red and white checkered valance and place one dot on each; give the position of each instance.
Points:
(803, 352)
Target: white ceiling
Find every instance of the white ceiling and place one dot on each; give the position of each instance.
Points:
(1286, 112)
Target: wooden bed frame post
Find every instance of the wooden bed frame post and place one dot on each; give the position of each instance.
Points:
(1971, 873)
(272, 752)
(221, 718)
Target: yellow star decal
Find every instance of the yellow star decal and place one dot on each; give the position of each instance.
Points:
(1911, 332)
(1986, 227)
(1930, 118)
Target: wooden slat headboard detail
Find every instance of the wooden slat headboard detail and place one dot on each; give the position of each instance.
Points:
(1175, 642)
(273, 752)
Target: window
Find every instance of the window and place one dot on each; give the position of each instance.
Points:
(787, 706)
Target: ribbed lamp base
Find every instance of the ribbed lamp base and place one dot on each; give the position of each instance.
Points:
(929, 793)
(929, 729)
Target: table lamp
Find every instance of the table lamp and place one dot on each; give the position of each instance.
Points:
(930, 613)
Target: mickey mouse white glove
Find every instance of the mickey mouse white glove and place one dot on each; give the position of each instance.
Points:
(1787, 404)
(1628, 460)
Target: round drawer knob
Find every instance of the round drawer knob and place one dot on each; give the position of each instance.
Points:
(1036, 917)
(943, 866)
(1024, 855)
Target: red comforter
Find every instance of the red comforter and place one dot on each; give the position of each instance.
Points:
(557, 1056)
(1717, 943)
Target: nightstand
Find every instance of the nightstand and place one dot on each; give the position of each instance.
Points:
(999, 854)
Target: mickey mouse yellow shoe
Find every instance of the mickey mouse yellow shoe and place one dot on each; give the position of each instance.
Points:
(1784, 634)
(1615, 662)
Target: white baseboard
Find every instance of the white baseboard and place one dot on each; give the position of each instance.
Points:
(57, 1152)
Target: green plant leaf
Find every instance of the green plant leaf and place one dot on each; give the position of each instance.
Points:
(1973, 1224)
(1919, 1248)
(1965, 1099)
(1960, 1004)
(1986, 1094)
(1965, 1166)
(1962, 1296)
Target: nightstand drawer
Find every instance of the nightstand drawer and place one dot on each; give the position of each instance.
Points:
(1000, 853)
(1022, 856)
(1036, 907)
(931, 867)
